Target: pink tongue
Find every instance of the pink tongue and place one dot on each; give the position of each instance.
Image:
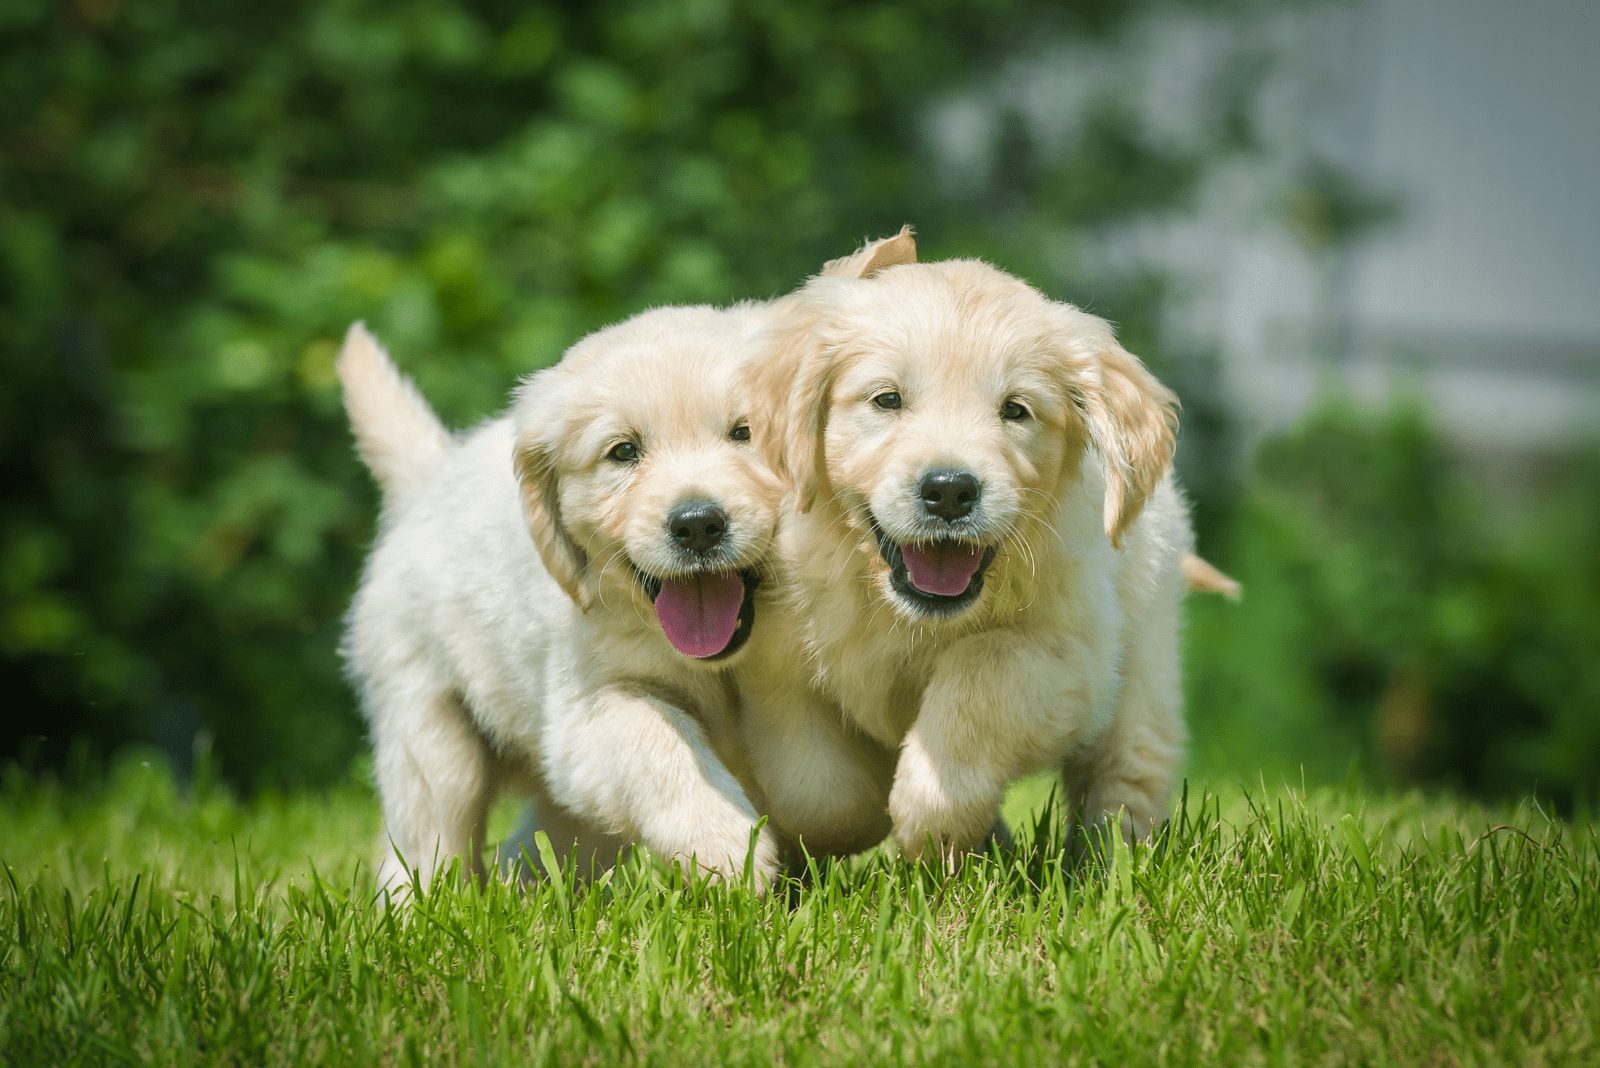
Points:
(700, 612)
(944, 569)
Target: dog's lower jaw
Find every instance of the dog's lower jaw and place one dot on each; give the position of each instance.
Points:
(929, 608)
(919, 604)
(751, 577)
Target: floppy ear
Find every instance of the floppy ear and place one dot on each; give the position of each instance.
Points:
(1132, 421)
(874, 256)
(797, 376)
(534, 462)
(805, 460)
(790, 384)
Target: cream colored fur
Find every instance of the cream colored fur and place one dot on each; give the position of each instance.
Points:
(398, 436)
(490, 661)
(500, 639)
(1068, 659)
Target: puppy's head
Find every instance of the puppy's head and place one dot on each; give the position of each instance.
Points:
(944, 410)
(639, 482)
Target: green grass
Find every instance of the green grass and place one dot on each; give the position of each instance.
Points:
(138, 923)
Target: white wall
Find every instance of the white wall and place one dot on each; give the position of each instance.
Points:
(1480, 117)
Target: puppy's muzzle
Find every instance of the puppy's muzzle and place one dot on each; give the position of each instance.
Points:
(704, 601)
(937, 563)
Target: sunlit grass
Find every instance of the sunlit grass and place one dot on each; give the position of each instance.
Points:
(139, 923)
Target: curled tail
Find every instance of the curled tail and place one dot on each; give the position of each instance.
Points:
(397, 434)
(1204, 577)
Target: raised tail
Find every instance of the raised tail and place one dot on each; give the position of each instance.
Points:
(397, 434)
(1204, 577)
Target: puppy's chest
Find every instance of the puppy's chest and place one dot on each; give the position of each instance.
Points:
(878, 683)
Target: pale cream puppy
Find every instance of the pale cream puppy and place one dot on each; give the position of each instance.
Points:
(556, 597)
(982, 562)
(559, 600)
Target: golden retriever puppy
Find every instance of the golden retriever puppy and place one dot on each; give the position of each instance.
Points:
(559, 600)
(981, 564)
(555, 598)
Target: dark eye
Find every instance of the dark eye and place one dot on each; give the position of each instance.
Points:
(740, 432)
(1013, 411)
(623, 452)
(887, 401)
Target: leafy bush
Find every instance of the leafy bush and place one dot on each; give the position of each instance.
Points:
(195, 203)
(1402, 614)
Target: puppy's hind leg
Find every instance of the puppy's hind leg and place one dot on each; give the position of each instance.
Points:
(1126, 780)
(435, 779)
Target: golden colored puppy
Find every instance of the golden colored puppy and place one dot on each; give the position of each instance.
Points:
(558, 600)
(982, 560)
(583, 666)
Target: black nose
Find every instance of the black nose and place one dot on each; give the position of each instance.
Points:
(949, 494)
(697, 525)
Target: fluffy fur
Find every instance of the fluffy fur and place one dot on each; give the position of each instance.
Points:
(503, 637)
(490, 660)
(1063, 654)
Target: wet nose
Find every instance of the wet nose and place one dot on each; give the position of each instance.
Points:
(949, 494)
(697, 525)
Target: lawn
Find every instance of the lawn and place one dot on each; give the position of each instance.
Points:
(142, 923)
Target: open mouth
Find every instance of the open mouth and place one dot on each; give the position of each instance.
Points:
(941, 576)
(707, 615)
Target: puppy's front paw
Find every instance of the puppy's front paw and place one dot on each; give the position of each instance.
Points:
(725, 860)
(941, 811)
(766, 860)
(1126, 810)
(395, 881)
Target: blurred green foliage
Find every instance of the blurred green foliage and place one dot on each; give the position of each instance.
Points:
(1402, 617)
(196, 200)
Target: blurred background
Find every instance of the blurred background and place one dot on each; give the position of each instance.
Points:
(1360, 238)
